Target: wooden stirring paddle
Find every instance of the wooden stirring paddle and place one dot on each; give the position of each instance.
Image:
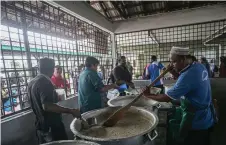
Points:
(117, 115)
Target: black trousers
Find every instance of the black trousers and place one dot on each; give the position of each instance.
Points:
(57, 132)
(198, 137)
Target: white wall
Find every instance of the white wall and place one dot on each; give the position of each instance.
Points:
(182, 17)
(21, 129)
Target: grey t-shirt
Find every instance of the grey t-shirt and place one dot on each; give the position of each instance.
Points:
(40, 91)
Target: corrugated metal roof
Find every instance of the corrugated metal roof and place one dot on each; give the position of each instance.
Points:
(122, 10)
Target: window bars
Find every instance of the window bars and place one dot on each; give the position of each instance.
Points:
(31, 30)
(203, 39)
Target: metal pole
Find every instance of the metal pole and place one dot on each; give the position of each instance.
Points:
(220, 53)
(26, 43)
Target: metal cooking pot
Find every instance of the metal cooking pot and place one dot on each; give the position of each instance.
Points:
(100, 115)
(142, 102)
(71, 142)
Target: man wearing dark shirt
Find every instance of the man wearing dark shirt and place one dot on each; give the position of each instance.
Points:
(43, 99)
(91, 87)
(122, 74)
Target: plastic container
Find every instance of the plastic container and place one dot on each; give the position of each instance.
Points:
(61, 94)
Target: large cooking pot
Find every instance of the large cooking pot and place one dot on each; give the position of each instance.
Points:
(100, 115)
(142, 102)
(71, 142)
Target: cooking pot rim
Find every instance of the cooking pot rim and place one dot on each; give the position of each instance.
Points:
(124, 138)
(132, 96)
(71, 141)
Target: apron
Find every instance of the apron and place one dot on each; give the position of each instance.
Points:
(188, 114)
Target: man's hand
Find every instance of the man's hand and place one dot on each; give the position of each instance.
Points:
(159, 97)
(170, 66)
(146, 91)
(75, 113)
(120, 82)
(114, 86)
(173, 71)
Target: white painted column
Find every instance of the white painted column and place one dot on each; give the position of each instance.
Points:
(113, 43)
(220, 53)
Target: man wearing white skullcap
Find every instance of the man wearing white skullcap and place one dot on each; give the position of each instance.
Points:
(193, 90)
(180, 50)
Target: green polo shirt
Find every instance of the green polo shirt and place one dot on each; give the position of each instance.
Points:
(89, 86)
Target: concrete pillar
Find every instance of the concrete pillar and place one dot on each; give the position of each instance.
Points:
(220, 53)
(113, 48)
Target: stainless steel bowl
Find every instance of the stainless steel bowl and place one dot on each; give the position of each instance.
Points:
(71, 142)
(102, 114)
(124, 100)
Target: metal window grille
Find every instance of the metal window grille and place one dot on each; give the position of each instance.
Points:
(31, 30)
(203, 39)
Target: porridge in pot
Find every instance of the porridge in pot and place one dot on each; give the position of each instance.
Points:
(132, 124)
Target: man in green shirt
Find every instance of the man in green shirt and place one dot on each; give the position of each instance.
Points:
(90, 87)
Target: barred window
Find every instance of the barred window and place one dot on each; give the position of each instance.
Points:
(204, 40)
(31, 30)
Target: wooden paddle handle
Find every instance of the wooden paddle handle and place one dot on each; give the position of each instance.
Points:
(150, 85)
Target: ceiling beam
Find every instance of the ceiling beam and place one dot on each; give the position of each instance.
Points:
(115, 4)
(123, 7)
(107, 9)
(131, 5)
(103, 7)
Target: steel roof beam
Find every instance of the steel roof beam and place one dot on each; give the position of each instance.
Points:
(103, 7)
(115, 4)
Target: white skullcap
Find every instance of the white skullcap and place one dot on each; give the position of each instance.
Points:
(179, 50)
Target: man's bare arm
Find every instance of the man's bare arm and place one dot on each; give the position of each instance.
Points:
(159, 98)
(108, 87)
(51, 107)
